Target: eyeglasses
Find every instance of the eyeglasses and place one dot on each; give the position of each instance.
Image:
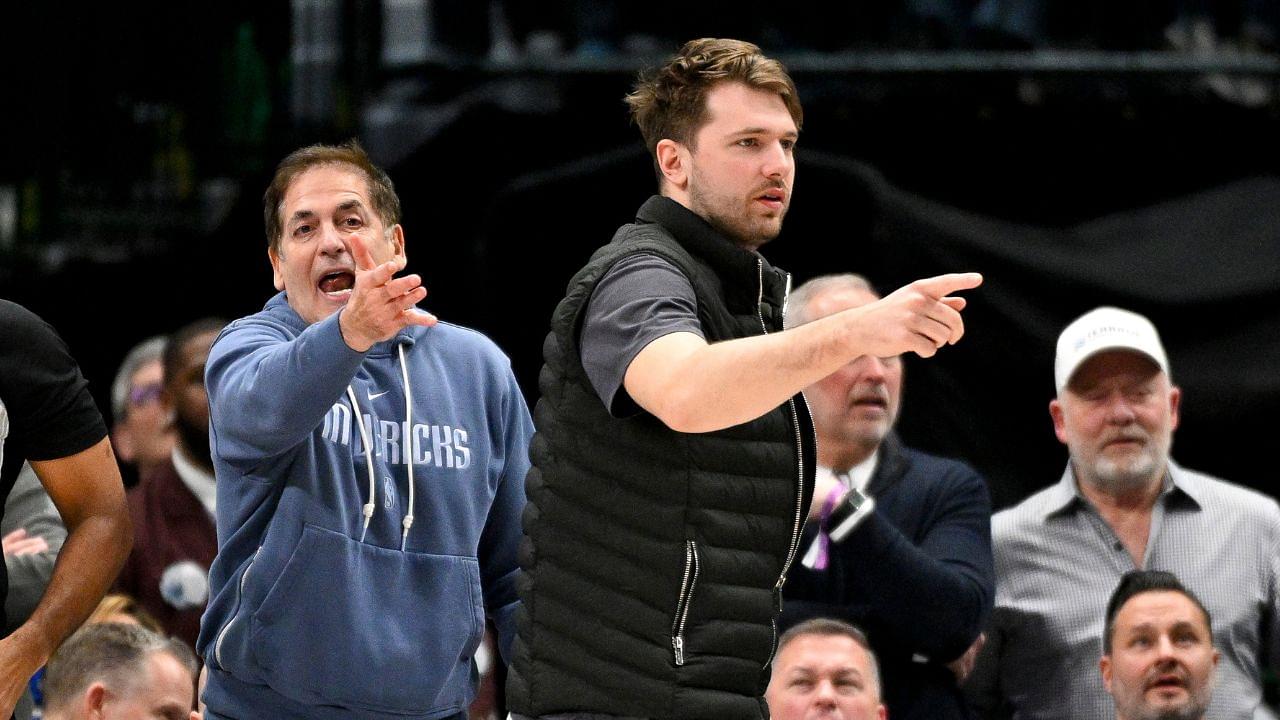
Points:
(145, 394)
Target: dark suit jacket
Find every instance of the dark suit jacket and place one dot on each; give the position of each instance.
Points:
(916, 575)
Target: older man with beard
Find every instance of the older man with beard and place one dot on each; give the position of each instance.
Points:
(1122, 505)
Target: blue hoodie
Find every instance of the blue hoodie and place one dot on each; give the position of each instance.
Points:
(316, 610)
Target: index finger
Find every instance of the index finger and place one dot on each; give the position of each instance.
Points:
(360, 253)
(939, 286)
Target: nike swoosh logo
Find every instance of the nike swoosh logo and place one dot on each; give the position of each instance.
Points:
(373, 396)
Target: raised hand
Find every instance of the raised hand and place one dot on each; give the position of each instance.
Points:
(381, 304)
(920, 317)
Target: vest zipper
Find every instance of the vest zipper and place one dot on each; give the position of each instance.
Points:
(685, 600)
(795, 424)
(217, 645)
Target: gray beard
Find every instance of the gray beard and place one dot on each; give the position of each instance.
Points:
(1124, 478)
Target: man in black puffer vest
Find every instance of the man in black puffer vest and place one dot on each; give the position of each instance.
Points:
(673, 460)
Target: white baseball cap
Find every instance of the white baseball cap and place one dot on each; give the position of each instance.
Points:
(1105, 328)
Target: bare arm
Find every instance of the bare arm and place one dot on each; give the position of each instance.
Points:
(89, 494)
(693, 386)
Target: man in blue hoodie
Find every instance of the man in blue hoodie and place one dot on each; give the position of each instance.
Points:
(338, 415)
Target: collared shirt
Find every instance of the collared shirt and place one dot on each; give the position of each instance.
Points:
(200, 482)
(1058, 562)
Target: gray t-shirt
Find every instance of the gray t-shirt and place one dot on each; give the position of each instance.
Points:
(642, 298)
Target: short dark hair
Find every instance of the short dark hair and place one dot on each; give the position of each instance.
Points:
(1137, 582)
(671, 102)
(174, 343)
(382, 193)
(112, 653)
(832, 627)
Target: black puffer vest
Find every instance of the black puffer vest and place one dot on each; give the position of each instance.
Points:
(652, 558)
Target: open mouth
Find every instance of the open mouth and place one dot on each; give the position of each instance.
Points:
(337, 283)
(1167, 682)
(773, 197)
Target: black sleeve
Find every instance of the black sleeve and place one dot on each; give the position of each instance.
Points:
(50, 413)
(640, 299)
(935, 596)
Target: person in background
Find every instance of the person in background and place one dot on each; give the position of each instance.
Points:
(113, 671)
(824, 668)
(173, 507)
(1158, 660)
(1121, 505)
(915, 571)
(140, 431)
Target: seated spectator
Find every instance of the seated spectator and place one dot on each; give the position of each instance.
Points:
(1158, 658)
(140, 430)
(174, 539)
(114, 670)
(824, 668)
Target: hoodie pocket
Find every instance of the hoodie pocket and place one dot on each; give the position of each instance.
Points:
(368, 628)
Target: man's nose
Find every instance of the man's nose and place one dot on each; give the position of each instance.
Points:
(1120, 410)
(777, 161)
(331, 241)
(875, 368)
(825, 694)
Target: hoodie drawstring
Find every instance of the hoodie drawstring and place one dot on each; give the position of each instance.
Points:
(408, 443)
(368, 507)
(368, 459)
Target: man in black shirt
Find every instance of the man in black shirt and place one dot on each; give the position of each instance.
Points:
(47, 417)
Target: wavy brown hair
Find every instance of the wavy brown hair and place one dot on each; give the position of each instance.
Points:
(671, 102)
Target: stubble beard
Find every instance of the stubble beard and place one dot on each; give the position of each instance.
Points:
(1193, 709)
(742, 228)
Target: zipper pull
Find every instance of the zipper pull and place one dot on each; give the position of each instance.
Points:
(677, 642)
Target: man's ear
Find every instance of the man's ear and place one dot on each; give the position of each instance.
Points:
(1104, 665)
(1059, 423)
(673, 161)
(94, 699)
(396, 236)
(277, 276)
